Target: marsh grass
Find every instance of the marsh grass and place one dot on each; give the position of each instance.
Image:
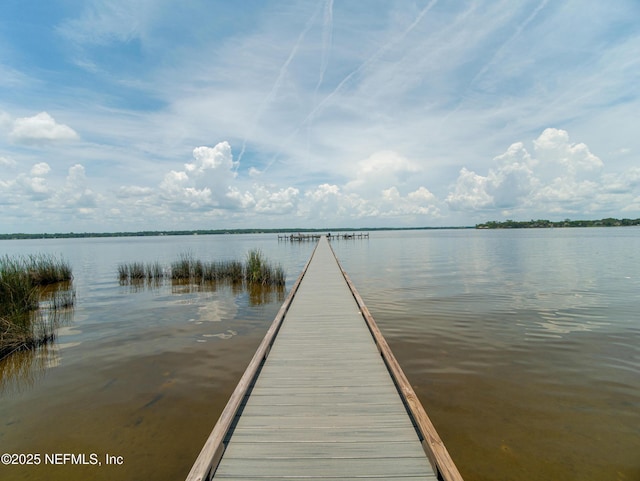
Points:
(188, 269)
(138, 272)
(259, 271)
(46, 269)
(34, 290)
(184, 268)
(231, 271)
(154, 271)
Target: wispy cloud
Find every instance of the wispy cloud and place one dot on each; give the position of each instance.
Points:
(281, 76)
(327, 40)
(330, 113)
(504, 46)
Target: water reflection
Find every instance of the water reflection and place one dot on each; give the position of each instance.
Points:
(217, 310)
(58, 296)
(178, 286)
(216, 301)
(228, 334)
(137, 285)
(259, 294)
(26, 345)
(22, 369)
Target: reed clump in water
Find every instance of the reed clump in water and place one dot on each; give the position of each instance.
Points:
(27, 288)
(138, 271)
(231, 271)
(259, 271)
(256, 270)
(46, 269)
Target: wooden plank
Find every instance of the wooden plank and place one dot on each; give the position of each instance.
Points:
(345, 390)
(320, 421)
(306, 377)
(322, 400)
(325, 478)
(330, 468)
(335, 449)
(381, 434)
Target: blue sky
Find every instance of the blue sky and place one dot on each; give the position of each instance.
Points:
(155, 114)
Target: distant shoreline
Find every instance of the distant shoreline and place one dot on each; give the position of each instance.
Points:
(508, 224)
(546, 224)
(73, 235)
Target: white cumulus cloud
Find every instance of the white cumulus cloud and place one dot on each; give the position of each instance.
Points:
(206, 182)
(557, 156)
(34, 185)
(420, 202)
(75, 194)
(212, 158)
(559, 177)
(381, 171)
(40, 169)
(471, 192)
(331, 204)
(40, 128)
(281, 201)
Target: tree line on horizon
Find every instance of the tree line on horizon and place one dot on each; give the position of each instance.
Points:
(507, 224)
(150, 233)
(544, 223)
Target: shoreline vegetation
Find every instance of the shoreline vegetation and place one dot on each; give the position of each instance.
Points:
(155, 233)
(256, 270)
(35, 291)
(546, 224)
(507, 224)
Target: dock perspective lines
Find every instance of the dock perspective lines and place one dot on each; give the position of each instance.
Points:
(323, 397)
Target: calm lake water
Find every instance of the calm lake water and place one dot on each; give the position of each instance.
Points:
(523, 345)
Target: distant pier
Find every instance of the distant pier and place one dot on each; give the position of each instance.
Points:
(315, 237)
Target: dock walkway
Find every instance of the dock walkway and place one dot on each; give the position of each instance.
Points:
(322, 402)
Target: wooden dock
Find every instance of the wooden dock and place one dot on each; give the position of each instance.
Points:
(323, 397)
(329, 236)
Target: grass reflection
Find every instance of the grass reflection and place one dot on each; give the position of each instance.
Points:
(265, 294)
(22, 369)
(36, 293)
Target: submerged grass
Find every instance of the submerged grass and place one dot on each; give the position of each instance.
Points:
(256, 270)
(29, 299)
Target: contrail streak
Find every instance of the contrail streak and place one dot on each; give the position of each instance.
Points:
(327, 39)
(281, 75)
(370, 61)
(382, 50)
(518, 31)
